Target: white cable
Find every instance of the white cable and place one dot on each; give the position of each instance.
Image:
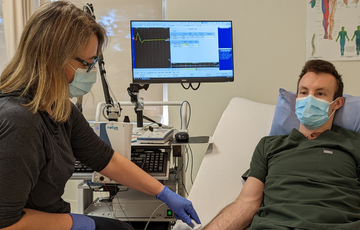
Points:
(187, 125)
(187, 157)
(90, 10)
(152, 215)
(192, 165)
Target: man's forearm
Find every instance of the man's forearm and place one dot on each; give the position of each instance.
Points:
(235, 216)
(36, 220)
(239, 214)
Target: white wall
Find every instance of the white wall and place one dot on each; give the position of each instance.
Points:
(269, 52)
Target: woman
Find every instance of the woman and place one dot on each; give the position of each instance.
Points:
(42, 132)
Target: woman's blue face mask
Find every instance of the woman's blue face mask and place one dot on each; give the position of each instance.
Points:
(312, 112)
(83, 81)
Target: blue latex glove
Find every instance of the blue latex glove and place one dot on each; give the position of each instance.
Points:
(82, 222)
(182, 207)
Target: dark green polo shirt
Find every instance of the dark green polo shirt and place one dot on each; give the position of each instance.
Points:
(309, 184)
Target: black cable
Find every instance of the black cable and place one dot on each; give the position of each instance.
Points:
(112, 204)
(185, 189)
(120, 109)
(190, 85)
(132, 96)
(185, 87)
(149, 119)
(117, 198)
(88, 184)
(196, 87)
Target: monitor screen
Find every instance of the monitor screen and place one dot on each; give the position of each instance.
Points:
(181, 51)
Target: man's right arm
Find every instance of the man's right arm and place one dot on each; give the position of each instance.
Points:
(239, 214)
(36, 220)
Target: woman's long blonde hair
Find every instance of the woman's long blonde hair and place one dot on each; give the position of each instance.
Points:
(51, 37)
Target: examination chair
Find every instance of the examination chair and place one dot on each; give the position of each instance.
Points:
(219, 182)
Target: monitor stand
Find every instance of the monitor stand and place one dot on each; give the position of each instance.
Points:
(133, 92)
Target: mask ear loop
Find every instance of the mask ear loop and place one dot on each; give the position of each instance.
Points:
(334, 109)
(71, 67)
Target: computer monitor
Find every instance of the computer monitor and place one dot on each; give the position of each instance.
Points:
(181, 51)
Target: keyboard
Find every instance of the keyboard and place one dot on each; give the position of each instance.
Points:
(154, 162)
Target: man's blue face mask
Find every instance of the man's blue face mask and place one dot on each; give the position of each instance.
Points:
(83, 81)
(312, 112)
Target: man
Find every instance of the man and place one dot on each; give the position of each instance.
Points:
(307, 179)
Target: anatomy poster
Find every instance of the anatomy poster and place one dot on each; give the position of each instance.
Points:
(333, 30)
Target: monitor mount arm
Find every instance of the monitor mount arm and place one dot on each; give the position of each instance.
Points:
(133, 92)
(112, 109)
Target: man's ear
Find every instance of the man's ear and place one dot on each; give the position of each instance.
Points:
(339, 102)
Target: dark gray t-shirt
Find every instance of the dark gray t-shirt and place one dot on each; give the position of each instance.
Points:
(37, 157)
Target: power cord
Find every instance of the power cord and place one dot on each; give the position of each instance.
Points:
(152, 215)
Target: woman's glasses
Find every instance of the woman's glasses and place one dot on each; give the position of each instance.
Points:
(89, 65)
